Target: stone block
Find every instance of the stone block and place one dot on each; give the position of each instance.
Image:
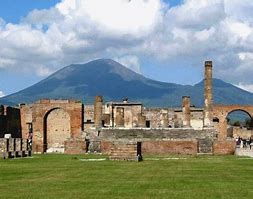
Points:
(224, 147)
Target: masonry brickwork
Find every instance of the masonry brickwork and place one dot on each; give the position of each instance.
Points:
(72, 127)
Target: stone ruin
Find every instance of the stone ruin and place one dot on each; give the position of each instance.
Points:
(113, 128)
(14, 148)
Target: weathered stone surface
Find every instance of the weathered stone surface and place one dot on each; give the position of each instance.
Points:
(205, 146)
(208, 95)
(188, 134)
(224, 147)
(106, 147)
(186, 111)
(169, 147)
(123, 150)
(10, 148)
(75, 146)
(98, 111)
(67, 115)
(220, 112)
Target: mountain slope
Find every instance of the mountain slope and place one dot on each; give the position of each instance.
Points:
(114, 81)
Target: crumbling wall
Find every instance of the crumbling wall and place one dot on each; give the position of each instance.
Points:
(88, 116)
(14, 147)
(242, 132)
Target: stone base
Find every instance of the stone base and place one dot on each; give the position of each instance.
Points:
(126, 151)
(244, 152)
(224, 147)
(75, 146)
(55, 150)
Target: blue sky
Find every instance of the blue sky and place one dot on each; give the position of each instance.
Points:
(163, 40)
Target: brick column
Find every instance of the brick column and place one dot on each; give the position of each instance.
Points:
(98, 111)
(208, 96)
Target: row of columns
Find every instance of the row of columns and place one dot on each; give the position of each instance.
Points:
(208, 104)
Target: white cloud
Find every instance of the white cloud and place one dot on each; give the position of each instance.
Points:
(2, 94)
(75, 31)
(115, 16)
(247, 87)
(130, 61)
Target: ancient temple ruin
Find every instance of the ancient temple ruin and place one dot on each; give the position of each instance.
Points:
(68, 126)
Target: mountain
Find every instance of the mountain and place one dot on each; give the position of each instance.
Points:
(114, 82)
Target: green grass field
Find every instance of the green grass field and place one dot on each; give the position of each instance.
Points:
(66, 176)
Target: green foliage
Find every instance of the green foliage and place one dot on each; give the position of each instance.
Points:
(237, 123)
(249, 123)
(66, 176)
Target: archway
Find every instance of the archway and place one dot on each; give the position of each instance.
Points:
(239, 123)
(56, 130)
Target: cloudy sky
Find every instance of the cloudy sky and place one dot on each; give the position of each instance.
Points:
(166, 40)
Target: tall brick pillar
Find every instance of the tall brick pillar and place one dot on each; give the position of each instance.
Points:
(208, 96)
(98, 111)
(186, 103)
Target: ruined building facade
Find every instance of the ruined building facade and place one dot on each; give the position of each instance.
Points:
(72, 127)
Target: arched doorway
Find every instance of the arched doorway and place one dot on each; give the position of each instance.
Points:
(56, 130)
(239, 123)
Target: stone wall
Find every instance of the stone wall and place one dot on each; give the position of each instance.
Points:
(75, 146)
(169, 147)
(88, 116)
(224, 147)
(106, 147)
(242, 132)
(37, 114)
(161, 141)
(185, 134)
(14, 147)
(124, 150)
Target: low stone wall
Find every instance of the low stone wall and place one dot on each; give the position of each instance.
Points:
(169, 147)
(224, 147)
(106, 147)
(14, 147)
(75, 146)
(244, 152)
(142, 134)
(127, 151)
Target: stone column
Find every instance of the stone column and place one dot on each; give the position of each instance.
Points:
(141, 120)
(208, 96)
(186, 111)
(120, 121)
(165, 120)
(98, 111)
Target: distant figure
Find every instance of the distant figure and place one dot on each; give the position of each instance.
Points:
(241, 144)
(30, 140)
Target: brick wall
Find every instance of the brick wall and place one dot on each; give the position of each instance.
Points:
(169, 147)
(75, 146)
(224, 147)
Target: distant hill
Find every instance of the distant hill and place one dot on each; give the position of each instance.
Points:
(114, 82)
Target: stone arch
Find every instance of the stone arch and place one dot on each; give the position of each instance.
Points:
(238, 109)
(57, 129)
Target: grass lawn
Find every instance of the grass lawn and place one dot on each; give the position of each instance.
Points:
(66, 176)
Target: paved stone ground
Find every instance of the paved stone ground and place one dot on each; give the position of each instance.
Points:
(244, 152)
